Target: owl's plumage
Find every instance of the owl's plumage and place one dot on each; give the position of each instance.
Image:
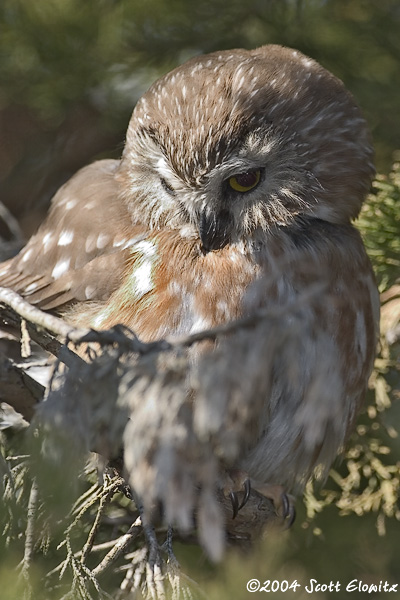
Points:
(240, 176)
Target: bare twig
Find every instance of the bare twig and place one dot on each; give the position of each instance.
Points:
(30, 538)
(38, 317)
(126, 339)
(25, 340)
(30, 526)
(120, 546)
(87, 548)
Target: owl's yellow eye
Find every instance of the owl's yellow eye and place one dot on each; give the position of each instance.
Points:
(244, 182)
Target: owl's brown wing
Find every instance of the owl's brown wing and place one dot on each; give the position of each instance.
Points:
(79, 252)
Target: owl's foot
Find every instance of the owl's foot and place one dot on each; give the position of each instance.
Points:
(283, 502)
(239, 487)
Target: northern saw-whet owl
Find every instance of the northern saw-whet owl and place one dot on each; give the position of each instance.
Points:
(241, 174)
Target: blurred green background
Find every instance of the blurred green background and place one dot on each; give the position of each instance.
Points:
(70, 74)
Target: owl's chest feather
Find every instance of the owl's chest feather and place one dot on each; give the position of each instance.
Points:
(171, 288)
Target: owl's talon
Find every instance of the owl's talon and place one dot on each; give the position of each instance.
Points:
(237, 482)
(246, 495)
(291, 516)
(234, 498)
(283, 502)
(285, 505)
(288, 511)
(235, 504)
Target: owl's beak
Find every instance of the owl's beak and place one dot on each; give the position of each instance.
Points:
(215, 230)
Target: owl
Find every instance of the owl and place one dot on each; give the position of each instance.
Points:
(236, 190)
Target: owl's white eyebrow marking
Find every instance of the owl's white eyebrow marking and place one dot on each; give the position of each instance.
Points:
(65, 238)
(27, 255)
(61, 267)
(102, 240)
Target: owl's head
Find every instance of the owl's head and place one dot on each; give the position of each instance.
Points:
(232, 144)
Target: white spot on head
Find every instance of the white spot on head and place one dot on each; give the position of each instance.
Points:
(61, 267)
(307, 62)
(65, 238)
